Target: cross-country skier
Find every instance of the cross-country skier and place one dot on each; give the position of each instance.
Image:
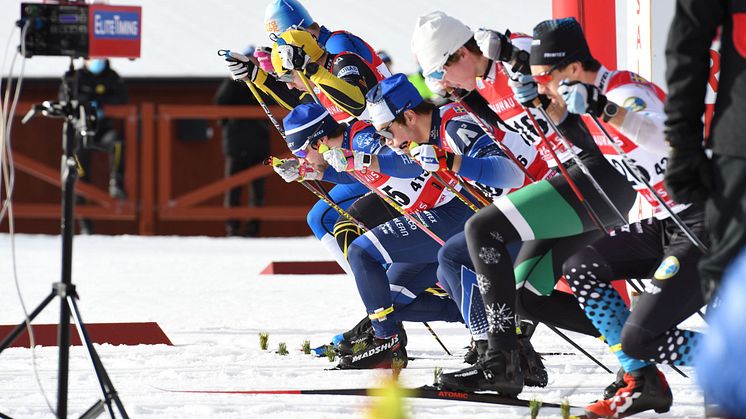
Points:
(393, 105)
(280, 16)
(632, 112)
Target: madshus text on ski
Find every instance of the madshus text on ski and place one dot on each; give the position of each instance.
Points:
(466, 192)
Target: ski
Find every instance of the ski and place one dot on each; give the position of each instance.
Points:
(425, 392)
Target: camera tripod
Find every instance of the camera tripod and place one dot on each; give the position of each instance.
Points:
(77, 123)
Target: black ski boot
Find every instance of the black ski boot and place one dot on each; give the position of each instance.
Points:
(500, 372)
(345, 346)
(362, 331)
(644, 389)
(612, 388)
(377, 353)
(476, 351)
(534, 372)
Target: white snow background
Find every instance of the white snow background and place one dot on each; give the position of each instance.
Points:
(208, 296)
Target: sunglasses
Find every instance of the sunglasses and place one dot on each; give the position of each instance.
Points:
(302, 152)
(385, 132)
(285, 77)
(438, 74)
(546, 76)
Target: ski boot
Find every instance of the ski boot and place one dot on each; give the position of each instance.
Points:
(346, 345)
(344, 342)
(612, 388)
(644, 389)
(377, 353)
(499, 372)
(477, 350)
(534, 372)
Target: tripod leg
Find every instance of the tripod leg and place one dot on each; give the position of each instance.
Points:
(107, 388)
(20, 328)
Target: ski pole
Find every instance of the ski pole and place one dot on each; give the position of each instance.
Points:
(576, 346)
(411, 217)
(274, 161)
(227, 53)
(594, 216)
(487, 130)
(581, 165)
(307, 83)
(636, 173)
(432, 332)
(453, 190)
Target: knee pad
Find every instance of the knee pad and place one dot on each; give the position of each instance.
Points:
(345, 232)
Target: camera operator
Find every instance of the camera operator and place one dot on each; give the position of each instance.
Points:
(99, 85)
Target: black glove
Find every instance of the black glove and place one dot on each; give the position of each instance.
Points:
(688, 173)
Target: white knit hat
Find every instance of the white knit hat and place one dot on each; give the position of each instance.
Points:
(436, 37)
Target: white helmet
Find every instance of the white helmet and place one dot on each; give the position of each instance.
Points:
(436, 37)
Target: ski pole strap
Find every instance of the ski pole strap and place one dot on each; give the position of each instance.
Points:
(636, 173)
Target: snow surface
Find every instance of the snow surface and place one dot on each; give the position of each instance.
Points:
(208, 297)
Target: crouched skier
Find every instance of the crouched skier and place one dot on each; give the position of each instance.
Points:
(394, 105)
(631, 110)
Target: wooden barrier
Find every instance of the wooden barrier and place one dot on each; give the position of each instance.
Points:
(150, 172)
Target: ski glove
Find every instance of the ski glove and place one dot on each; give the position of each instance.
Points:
(264, 56)
(688, 173)
(343, 160)
(241, 67)
(432, 158)
(494, 45)
(524, 88)
(582, 98)
(293, 58)
(293, 169)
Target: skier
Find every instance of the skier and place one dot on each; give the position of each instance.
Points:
(395, 104)
(355, 76)
(632, 112)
